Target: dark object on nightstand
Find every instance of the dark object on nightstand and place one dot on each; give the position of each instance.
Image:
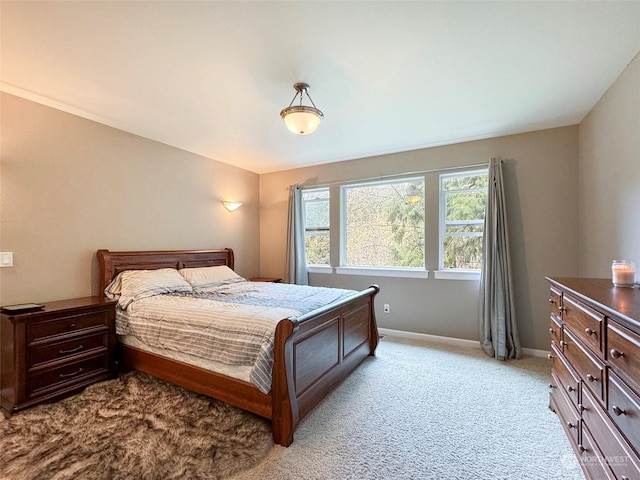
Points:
(55, 351)
(266, 279)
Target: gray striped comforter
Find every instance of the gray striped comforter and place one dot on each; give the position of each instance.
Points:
(232, 324)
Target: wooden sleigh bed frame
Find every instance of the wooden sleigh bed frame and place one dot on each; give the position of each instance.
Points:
(312, 354)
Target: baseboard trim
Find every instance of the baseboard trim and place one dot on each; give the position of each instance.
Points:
(450, 340)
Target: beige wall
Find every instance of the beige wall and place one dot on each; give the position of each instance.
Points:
(609, 159)
(69, 186)
(541, 181)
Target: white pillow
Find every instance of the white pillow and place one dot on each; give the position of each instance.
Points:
(132, 285)
(207, 277)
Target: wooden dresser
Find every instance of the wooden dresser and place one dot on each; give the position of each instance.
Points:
(51, 353)
(595, 377)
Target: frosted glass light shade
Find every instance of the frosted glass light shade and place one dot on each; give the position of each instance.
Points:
(301, 120)
(231, 206)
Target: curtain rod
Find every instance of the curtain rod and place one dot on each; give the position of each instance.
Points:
(395, 175)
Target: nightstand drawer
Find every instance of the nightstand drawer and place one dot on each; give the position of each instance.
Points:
(586, 323)
(67, 373)
(51, 351)
(62, 325)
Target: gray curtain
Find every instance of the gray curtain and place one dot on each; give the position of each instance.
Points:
(498, 330)
(296, 257)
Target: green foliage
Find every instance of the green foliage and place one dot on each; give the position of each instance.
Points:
(385, 224)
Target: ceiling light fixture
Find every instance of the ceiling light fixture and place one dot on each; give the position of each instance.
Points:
(301, 119)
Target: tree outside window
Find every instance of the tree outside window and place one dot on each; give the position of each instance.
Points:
(383, 224)
(317, 225)
(463, 201)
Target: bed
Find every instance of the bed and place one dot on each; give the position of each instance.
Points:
(312, 353)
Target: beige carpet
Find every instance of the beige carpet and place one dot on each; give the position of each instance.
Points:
(430, 411)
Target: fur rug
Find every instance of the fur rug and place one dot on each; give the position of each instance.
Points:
(132, 427)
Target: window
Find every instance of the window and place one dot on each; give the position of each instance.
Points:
(317, 229)
(463, 200)
(383, 224)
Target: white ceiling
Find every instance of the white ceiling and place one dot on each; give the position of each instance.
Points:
(211, 77)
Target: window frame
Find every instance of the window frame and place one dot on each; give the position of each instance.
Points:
(456, 273)
(317, 267)
(385, 271)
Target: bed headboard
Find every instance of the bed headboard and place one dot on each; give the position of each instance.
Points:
(112, 263)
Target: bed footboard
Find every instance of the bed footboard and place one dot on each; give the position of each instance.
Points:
(314, 353)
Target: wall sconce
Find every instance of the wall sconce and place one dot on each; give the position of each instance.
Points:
(230, 205)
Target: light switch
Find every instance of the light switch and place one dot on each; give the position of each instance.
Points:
(6, 259)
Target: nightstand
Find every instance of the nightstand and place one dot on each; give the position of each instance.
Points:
(56, 351)
(266, 279)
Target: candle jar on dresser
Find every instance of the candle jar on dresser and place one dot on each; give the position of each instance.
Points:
(623, 273)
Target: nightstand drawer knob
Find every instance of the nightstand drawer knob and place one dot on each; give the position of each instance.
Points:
(72, 325)
(73, 350)
(67, 375)
(589, 331)
(551, 300)
(591, 378)
(618, 411)
(551, 331)
(616, 353)
(570, 389)
(570, 425)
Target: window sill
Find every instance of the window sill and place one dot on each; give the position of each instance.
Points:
(319, 269)
(383, 272)
(456, 274)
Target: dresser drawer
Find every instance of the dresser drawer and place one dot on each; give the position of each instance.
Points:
(41, 380)
(555, 331)
(555, 300)
(623, 353)
(620, 457)
(51, 351)
(592, 459)
(624, 409)
(570, 382)
(590, 368)
(560, 403)
(62, 325)
(585, 322)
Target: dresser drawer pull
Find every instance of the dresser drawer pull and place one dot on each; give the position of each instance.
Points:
(563, 343)
(67, 375)
(589, 331)
(581, 408)
(618, 411)
(570, 425)
(562, 308)
(582, 449)
(551, 385)
(549, 356)
(551, 331)
(72, 325)
(73, 350)
(616, 353)
(591, 378)
(551, 300)
(570, 389)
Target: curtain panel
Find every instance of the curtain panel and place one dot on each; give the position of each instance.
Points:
(296, 266)
(497, 319)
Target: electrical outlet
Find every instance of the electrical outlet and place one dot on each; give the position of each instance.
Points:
(387, 308)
